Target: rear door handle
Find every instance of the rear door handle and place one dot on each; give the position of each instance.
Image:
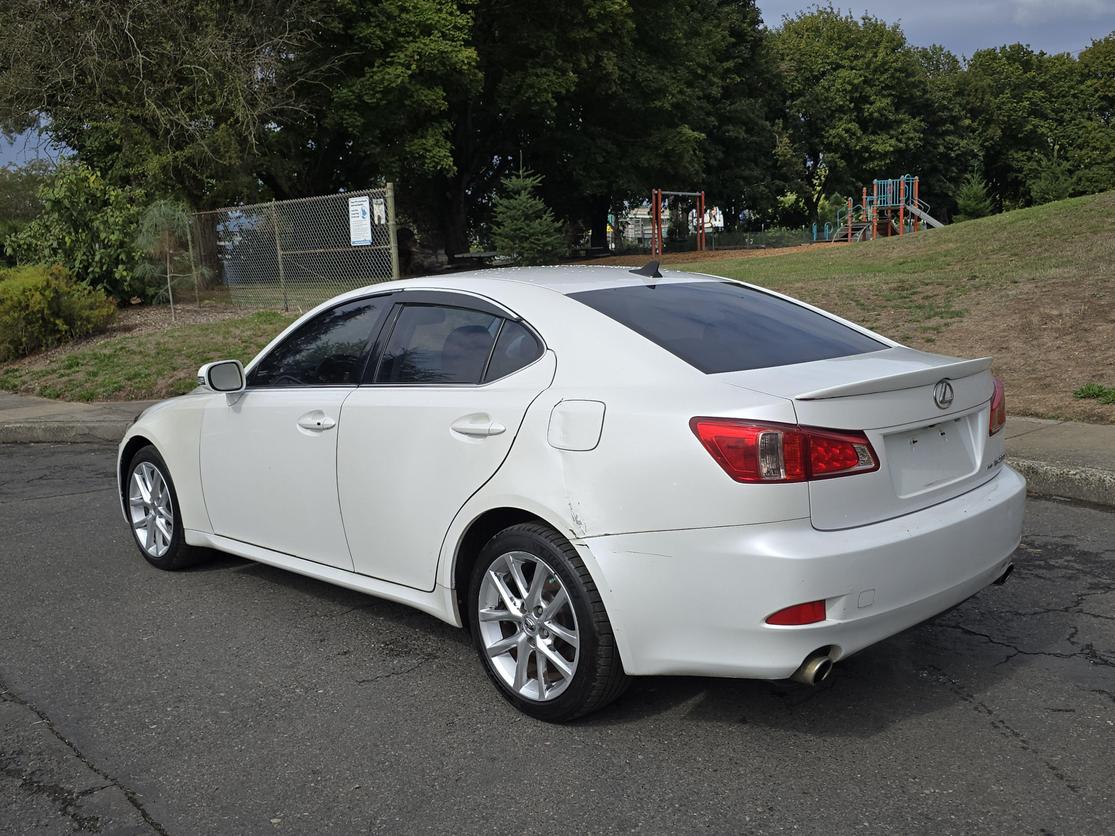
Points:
(478, 425)
(316, 421)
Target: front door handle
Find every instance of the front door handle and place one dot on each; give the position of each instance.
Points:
(478, 424)
(316, 421)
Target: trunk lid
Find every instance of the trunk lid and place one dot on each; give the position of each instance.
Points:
(928, 452)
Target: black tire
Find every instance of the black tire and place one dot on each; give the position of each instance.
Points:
(178, 555)
(598, 678)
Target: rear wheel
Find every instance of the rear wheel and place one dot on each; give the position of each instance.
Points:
(152, 508)
(540, 626)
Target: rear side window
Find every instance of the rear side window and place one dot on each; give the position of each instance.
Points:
(438, 344)
(515, 348)
(329, 350)
(720, 326)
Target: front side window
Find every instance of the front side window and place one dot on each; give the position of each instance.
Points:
(438, 344)
(722, 326)
(329, 350)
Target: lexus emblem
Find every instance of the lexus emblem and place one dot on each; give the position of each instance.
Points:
(942, 394)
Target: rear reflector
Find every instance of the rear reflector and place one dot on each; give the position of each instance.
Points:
(752, 452)
(998, 408)
(808, 613)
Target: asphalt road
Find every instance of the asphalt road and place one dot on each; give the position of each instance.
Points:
(240, 699)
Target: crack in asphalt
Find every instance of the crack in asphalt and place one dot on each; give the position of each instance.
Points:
(68, 798)
(65, 799)
(391, 674)
(1003, 728)
(1087, 650)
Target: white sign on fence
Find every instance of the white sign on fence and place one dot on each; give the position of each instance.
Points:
(359, 221)
(379, 210)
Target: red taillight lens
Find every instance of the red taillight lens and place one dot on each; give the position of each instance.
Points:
(754, 452)
(808, 613)
(998, 408)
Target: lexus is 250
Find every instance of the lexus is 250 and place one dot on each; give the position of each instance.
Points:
(600, 473)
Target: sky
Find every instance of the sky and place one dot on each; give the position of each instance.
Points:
(963, 26)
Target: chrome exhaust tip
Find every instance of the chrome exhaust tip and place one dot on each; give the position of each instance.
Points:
(816, 668)
(1002, 579)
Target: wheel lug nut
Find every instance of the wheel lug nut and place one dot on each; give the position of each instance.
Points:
(538, 611)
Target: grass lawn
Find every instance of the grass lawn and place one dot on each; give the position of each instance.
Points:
(1034, 288)
(144, 364)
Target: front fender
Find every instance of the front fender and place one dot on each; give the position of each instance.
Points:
(173, 427)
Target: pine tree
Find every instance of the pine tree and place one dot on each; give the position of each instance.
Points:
(972, 200)
(523, 228)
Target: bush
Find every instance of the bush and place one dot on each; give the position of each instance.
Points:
(523, 228)
(42, 306)
(89, 227)
(972, 199)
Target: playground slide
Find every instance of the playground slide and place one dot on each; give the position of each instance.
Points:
(925, 216)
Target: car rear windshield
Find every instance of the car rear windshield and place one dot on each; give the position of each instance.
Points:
(722, 326)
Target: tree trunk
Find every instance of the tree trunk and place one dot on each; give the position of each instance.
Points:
(598, 221)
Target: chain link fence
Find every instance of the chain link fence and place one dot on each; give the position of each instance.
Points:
(298, 253)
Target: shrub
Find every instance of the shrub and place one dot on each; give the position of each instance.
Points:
(42, 306)
(972, 199)
(89, 227)
(523, 228)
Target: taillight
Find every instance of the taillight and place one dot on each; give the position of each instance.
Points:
(998, 408)
(808, 613)
(766, 452)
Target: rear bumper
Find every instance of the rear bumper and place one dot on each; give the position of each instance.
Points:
(694, 601)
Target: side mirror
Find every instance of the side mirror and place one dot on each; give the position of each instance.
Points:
(223, 376)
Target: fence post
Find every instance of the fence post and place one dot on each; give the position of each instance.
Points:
(392, 239)
(279, 254)
(193, 264)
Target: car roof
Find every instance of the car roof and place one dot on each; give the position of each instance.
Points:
(573, 278)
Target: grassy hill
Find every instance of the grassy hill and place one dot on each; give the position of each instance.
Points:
(1034, 288)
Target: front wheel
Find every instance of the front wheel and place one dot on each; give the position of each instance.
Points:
(152, 508)
(540, 626)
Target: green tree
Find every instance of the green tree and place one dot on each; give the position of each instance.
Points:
(164, 236)
(856, 102)
(19, 200)
(972, 199)
(523, 227)
(88, 226)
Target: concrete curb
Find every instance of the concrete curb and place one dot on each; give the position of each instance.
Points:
(63, 432)
(1082, 483)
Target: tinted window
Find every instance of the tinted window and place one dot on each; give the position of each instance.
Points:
(327, 351)
(725, 327)
(516, 347)
(438, 344)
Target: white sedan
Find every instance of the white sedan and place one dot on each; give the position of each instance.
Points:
(601, 473)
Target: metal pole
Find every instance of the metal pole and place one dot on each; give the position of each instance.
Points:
(701, 221)
(874, 210)
(193, 264)
(917, 220)
(279, 254)
(848, 221)
(392, 238)
(902, 205)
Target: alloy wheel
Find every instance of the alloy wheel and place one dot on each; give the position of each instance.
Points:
(528, 626)
(151, 509)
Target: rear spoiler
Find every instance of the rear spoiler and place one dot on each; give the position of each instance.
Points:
(904, 380)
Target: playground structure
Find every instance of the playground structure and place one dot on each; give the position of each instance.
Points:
(657, 239)
(894, 207)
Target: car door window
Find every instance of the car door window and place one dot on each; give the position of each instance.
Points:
(516, 347)
(329, 350)
(438, 344)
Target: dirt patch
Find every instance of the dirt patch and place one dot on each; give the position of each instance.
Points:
(1047, 340)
